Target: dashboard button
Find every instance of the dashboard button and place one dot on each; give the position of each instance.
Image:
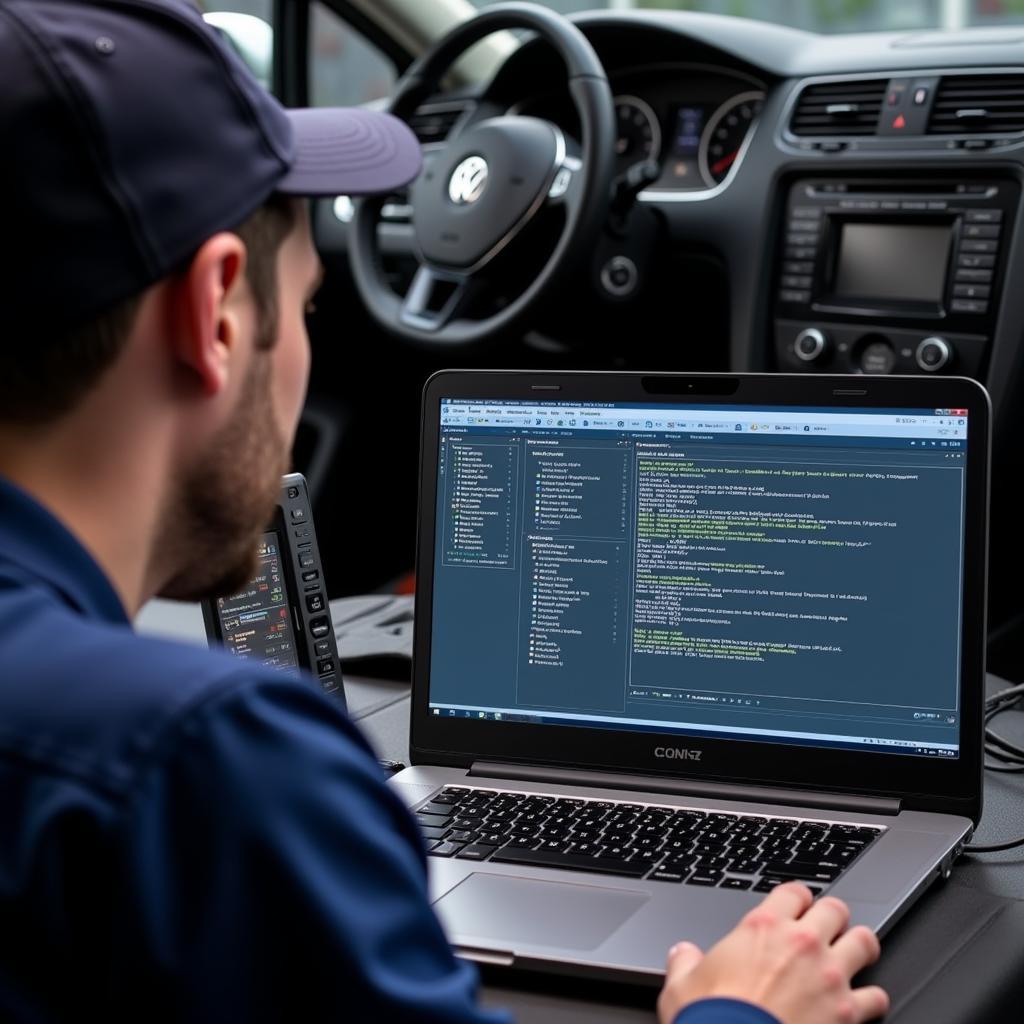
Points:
(796, 281)
(315, 603)
(983, 216)
(973, 261)
(978, 245)
(968, 306)
(798, 267)
(806, 252)
(971, 291)
(810, 344)
(789, 295)
(978, 276)
(320, 627)
(981, 230)
(802, 239)
(805, 226)
(878, 358)
(933, 354)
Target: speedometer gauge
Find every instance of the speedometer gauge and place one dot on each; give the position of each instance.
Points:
(724, 135)
(639, 133)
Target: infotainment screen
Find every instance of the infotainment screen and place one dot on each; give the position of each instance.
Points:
(906, 262)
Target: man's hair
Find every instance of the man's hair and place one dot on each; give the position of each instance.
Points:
(45, 377)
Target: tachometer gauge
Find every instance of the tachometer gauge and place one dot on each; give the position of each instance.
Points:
(724, 135)
(639, 133)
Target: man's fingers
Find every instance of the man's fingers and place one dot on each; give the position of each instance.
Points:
(789, 900)
(828, 917)
(683, 958)
(870, 1002)
(857, 949)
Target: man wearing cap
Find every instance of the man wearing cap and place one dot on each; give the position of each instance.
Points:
(185, 836)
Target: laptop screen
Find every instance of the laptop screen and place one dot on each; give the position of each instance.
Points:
(788, 575)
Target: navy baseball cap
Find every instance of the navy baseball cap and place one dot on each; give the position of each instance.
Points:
(132, 133)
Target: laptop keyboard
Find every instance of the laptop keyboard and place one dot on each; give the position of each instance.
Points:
(665, 844)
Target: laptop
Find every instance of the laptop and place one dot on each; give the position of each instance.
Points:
(680, 638)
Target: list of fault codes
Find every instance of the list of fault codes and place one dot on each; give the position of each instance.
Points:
(735, 585)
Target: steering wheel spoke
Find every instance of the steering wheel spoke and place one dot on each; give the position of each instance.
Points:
(435, 298)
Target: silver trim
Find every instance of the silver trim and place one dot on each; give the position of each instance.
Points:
(720, 113)
(652, 119)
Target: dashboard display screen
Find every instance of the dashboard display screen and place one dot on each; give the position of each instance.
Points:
(906, 262)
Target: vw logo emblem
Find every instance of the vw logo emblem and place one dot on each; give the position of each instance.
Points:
(468, 181)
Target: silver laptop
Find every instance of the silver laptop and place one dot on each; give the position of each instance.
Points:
(681, 638)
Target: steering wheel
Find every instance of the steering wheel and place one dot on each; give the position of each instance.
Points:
(477, 192)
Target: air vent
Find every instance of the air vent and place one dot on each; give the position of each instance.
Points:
(433, 122)
(839, 108)
(978, 105)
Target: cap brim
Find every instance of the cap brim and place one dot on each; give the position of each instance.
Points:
(350, 151)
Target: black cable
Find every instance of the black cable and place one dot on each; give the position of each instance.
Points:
(1003, 750)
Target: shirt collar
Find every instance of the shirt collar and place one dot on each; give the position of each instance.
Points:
(36, 541)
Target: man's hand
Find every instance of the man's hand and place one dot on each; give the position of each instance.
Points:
(790, 956)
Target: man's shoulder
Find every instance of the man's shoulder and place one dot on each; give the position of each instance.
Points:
(95, 699)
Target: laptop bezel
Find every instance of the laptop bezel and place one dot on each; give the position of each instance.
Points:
(922, 783)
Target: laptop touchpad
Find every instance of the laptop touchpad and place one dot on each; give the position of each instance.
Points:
(503, 909)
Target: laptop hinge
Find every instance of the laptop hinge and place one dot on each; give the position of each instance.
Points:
(686, 787)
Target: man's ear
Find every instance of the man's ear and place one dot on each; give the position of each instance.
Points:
(209, 304)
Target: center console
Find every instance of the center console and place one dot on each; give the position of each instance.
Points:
(883, 276)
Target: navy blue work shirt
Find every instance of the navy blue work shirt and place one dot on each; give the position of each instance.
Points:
(187, 836)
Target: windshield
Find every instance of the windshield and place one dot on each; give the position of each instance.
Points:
(829, 15)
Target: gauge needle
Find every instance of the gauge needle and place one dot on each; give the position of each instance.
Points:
(725, 163)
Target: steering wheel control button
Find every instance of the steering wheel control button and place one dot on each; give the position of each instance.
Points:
(619, 277)
(878, 357)
(561, 183)
(810, 345)
(933, 354)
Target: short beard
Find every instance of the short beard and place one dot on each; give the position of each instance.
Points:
(212, 532)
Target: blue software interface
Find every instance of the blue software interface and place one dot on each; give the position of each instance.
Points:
(782, 574)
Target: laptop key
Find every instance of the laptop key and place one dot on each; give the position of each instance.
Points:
(664, 875)
(570, 861)
(702, 877)
(436, 807)
(799, 871)
(430, 832)
(456, 836)
(475, 851)
(736, 883)
(445, 849)
(767, 884)
(433, 820)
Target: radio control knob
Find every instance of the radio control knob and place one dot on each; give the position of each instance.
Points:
(810, 344)
(933, 354)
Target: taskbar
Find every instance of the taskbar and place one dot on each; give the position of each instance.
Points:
(885, 745)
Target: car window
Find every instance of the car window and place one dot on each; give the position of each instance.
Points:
(247, 26)
(346, 69)
(828, 15)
